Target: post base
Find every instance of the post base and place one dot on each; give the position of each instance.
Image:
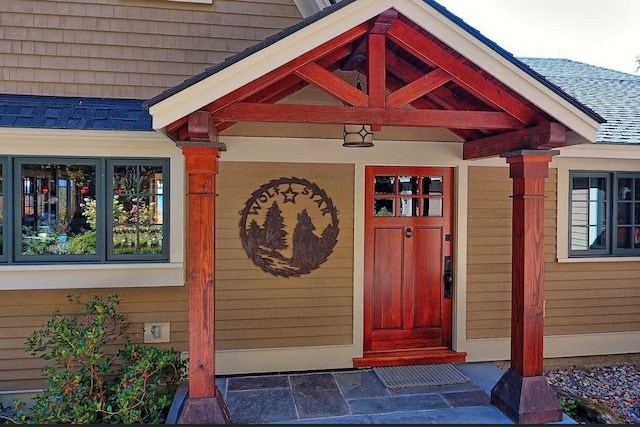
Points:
(526, 400)
(205, 410)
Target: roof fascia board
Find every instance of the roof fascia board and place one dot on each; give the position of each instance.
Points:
(271, 57)
(498, 66)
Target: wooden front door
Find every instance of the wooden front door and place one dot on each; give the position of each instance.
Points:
(408, 259)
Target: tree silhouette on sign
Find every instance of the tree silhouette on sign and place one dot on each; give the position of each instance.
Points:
(273, 229)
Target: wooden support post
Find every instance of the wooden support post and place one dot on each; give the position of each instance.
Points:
(204, 403)
(523, 392)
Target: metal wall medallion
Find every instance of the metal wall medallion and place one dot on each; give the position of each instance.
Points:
(289, 227)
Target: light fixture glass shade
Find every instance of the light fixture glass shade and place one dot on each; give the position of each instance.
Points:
(357, 136)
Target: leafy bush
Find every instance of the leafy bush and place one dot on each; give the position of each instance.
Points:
(88, 384)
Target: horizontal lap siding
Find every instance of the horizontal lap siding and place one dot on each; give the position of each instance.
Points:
(592, 297)
(111, 48)
(581, 298)
(255, 309)
(489, 253)
(23, 312)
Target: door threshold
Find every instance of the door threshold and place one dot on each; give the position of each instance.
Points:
(372, 359)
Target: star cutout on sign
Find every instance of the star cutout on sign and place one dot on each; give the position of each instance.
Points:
(289, 195)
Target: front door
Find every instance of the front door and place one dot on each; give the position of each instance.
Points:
(408, 264)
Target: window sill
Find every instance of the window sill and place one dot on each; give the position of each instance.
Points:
(78, 276)
(600, 259)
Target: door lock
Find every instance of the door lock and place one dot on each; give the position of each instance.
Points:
(408, 233)
(448, 277)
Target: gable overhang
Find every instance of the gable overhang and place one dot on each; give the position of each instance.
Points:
(353, 18)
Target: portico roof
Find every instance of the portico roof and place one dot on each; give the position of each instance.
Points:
(422, 66)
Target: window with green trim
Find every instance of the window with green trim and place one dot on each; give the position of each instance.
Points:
(84, 210)
(604, 214)
(3, 215)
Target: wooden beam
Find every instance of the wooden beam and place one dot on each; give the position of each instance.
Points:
(354, 115)
(418, 88)
(200, 127)
(376, 76)
(377, 66)
(290, 84)
(283, 71)
(426, 103)
(548, 135)
(332, 84)
(285, 86)
(482, 87)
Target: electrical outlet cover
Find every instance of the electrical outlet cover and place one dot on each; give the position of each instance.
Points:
(157, 332)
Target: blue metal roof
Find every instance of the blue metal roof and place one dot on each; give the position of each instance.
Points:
(56, 112)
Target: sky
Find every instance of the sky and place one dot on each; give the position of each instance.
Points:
(605, 33)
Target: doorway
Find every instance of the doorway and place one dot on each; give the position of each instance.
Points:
(408, 276)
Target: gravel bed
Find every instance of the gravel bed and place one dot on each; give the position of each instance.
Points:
(614, 386)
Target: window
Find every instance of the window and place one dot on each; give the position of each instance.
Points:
(407, 195)
(84, 210)
(3, 214)
(595, 199)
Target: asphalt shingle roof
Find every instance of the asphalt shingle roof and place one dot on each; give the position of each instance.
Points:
(56, 112)
(614, 95)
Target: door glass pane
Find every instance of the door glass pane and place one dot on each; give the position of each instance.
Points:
(409, 206)
(383, 207)
(432, 207)
(432, 185)
(384, 184)
(58, 209)
(408, 184)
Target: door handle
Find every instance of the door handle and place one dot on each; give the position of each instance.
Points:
(448, 277)
(408, 233)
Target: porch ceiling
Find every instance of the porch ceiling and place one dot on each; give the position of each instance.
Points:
(410, 78)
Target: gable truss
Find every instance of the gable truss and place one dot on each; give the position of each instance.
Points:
(412, 79)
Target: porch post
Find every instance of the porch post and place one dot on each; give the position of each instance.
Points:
(523, 392)
(204, 403)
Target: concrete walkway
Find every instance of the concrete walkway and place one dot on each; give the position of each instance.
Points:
(358, 397)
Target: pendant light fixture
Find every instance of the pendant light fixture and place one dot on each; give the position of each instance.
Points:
(358, 135)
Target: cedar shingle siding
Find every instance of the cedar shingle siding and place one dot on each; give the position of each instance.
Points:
(134, 49)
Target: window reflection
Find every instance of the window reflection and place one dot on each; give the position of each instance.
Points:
(137, 209)
(58, 209)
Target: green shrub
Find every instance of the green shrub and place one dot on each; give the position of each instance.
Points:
(88, 383)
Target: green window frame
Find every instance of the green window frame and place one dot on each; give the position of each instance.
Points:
(4, 211)
(69, 209)
(604, 214)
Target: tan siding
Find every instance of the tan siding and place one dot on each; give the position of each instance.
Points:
(489, 253)
(23, 312)
(255, 309)
(594, 297)
(110, 48)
